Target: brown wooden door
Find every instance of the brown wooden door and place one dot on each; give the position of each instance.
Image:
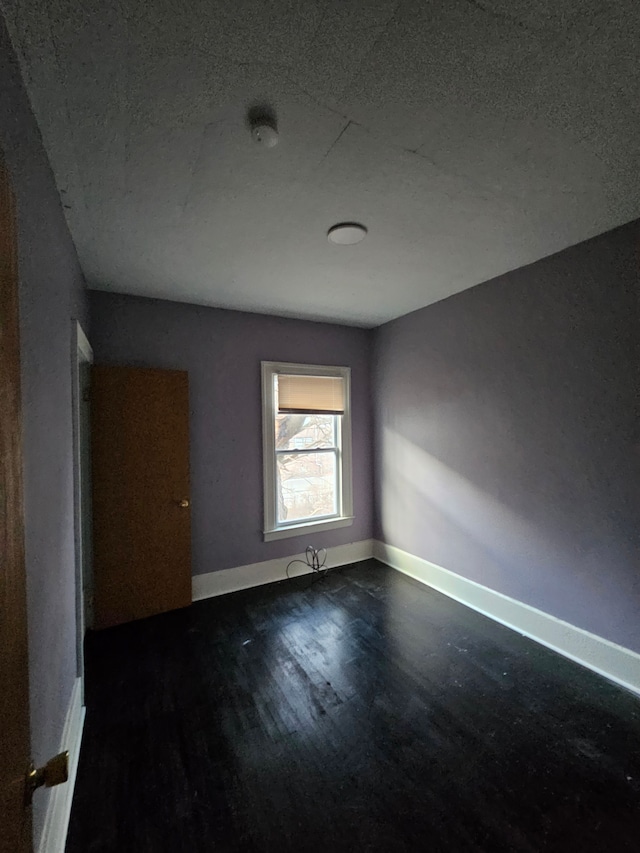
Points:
(141, 511)
(15, 818)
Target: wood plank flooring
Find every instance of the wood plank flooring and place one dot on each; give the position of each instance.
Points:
(362, 712)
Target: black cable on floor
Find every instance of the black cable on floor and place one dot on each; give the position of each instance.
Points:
(313, 560)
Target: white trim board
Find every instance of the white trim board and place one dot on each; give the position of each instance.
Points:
(608, 659)
(56, 822)
(82, 343)
(270, 571)
(81, 353)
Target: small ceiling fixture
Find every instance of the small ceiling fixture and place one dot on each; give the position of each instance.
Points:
(264, 126)
(347, 233)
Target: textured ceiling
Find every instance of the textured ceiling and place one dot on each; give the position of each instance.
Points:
(470, 136)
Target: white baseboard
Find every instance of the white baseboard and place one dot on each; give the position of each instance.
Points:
(56, 822)
(602, 656)
(269, 571)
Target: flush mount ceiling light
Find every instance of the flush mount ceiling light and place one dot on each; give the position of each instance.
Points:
(346, 233)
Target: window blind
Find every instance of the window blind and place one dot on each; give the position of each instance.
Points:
(307, 395)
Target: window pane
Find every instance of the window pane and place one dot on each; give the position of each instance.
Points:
(307, 486)
(305, 432)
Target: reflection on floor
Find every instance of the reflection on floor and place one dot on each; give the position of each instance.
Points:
(363, 712)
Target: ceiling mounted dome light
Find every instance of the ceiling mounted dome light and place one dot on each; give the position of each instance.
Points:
(347, 233)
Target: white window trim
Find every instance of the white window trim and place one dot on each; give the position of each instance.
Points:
(273, 530)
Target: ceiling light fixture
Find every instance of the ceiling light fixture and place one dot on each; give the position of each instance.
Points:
(347, 233)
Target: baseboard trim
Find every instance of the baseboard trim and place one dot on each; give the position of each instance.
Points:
(269, 571)
(56, 822)
(608, 659)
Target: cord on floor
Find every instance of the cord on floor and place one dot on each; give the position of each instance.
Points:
(315, 559)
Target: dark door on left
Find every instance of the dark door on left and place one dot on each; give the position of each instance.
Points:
(15, 815)
(141, 501)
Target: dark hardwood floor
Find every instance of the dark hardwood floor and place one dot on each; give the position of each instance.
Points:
(363, 712)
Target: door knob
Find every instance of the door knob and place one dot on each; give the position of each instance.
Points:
(184, 503)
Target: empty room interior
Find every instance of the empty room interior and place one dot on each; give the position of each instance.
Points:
(320, 366)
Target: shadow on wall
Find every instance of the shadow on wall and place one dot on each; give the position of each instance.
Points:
(430, 510)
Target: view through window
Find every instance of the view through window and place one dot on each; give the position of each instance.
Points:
(307, 466)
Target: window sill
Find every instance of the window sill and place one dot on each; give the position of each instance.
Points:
(307, 527)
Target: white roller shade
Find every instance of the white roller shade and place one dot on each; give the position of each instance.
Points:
(307, 395)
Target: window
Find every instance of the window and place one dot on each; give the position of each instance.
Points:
(306, 432)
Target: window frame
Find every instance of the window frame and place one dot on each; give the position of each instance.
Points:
(344, 517)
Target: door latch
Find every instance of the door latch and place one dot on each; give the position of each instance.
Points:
(54, 772)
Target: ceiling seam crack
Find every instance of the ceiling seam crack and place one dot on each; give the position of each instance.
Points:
(503, 16)
(336, 140)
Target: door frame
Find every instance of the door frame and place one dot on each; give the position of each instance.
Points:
(81, 353)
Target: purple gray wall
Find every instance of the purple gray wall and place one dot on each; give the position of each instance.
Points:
(222, 351)
(51, 293)
(507, 444)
